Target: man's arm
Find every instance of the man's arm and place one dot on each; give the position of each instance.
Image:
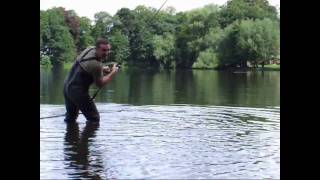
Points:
(105, 79)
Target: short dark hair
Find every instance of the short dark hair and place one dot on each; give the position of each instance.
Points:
(101, 41)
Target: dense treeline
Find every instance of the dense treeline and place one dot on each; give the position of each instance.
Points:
(214, 36)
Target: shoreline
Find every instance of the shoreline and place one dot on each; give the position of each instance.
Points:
(236, 70)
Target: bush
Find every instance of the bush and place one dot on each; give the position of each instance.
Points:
(45, 61)
(206, 60)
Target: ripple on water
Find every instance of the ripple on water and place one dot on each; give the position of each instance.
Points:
(176, 141)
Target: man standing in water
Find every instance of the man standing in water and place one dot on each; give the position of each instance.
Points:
(87, 69)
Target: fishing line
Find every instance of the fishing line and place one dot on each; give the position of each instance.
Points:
(62, 115)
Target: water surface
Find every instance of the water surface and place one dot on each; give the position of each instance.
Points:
(166, 125)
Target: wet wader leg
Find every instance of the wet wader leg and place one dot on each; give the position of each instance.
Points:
(72, 110)
(87, 107)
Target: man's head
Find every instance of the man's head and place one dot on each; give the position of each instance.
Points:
(102, 48)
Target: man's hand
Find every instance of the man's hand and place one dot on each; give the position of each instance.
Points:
(114, 69)
(106, 69)
(107, 78)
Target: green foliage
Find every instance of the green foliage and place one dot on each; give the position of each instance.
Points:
(45, 61)
(227, 49)
(73, 22)
(131, 25)
(120, 47)
(213, 38)
(208, 47)
(272, 67)
(258, 40)
(163, 49)
(85, 38)
(56, 40)
(102, 21)
(247, 9)
(206, 59)
(67, 65)
(249, 40)
(208, 37)
(44, 27)
(126, 21)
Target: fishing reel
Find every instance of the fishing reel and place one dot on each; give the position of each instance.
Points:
(110, 65)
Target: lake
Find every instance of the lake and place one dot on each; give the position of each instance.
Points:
(178, 124)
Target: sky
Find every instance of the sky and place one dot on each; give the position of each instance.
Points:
(89, 7)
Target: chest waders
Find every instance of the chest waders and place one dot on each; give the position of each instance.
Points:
(76, 94)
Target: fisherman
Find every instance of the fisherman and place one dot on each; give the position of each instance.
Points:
(86, 70)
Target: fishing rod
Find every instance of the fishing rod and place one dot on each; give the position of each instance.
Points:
(161, 6)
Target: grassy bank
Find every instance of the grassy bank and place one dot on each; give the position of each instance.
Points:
(270, 67)
(67, 65)
(49, 66)
(274, 67)
(45, 66)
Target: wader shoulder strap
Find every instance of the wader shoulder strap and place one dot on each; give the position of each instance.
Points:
(85, 54)
(87, 59)
(82, 59)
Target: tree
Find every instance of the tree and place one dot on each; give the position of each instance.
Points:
(208, 49)
(134, 26)
(258, 40)
(73, 22)
(102, 20)
(120, 47)
(85, 38)
(193, 26)
(126, 20)
(206, 59)
(246, 9)
(126, 24)
(227, 49)
(44, 30)
(207, 37)
(212, 39)
(249, 40)
(163, 49)
(57, 42)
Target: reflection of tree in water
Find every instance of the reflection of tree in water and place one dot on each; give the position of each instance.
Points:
(234, 88)
(54, 79)
(58, 76)
(163, 87)
(137, 86)
(77, 153)
(184, 86)
(249, 88)
(206, 87)
(140, 83)
(44, 84)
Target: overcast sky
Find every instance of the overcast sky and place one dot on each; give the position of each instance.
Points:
(89, 7)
